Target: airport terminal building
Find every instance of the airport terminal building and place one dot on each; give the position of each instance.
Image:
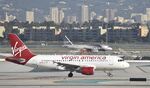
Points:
(74, 35)
(84, 35)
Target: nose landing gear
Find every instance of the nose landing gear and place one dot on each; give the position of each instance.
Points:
(70, 74)
(109, 74)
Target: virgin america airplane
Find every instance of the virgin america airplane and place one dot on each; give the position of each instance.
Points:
(84, 64)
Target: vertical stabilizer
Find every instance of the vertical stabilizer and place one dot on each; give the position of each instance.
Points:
(19, 49)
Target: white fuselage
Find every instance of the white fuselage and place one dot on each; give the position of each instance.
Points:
(99, 62)
(75, 46)
(94, 48)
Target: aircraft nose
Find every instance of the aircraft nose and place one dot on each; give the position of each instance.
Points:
(110, 48)
(126, 65)
(107, 47)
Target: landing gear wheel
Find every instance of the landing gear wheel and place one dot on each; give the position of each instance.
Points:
(70, 74)
(109, 74)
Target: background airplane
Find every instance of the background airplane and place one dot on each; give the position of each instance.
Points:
(84, 64)
(85, 47)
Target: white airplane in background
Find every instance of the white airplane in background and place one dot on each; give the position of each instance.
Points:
(87, 48)
(84, 64)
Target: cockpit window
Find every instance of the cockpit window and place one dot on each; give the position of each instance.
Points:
(120, 60)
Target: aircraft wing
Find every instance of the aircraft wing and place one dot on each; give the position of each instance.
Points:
(67, 66)
(77, 68)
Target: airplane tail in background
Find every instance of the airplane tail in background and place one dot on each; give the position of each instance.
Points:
(19, 50)
(68, 40)
(58, 31)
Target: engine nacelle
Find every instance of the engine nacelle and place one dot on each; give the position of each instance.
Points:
(86, 70)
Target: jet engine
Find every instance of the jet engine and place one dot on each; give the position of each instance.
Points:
(86, 70)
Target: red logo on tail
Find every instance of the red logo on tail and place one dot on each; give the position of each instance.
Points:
(18, 50)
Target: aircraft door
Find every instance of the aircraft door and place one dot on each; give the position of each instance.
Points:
(110, 61)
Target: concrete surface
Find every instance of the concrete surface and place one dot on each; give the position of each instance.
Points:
(12, 75)
(17, 76)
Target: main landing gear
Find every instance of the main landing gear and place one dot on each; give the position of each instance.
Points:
(109, 74)
(70, 74)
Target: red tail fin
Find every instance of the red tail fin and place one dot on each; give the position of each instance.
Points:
(19, 49)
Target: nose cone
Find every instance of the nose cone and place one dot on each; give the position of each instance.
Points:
(109, 48)
(126, 65)
(106, 47)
